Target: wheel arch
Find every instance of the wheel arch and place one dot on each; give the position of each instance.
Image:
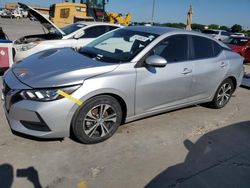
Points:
(121, 102)
(234, 80)
(116, 96)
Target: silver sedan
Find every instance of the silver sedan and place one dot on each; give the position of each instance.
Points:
(124, 75)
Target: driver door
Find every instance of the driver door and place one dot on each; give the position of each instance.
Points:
(161, 87)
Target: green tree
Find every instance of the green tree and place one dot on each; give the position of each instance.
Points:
(223, 27)
(176, 25)
(248, 33)
(198, 26)
(236, 28)
(213, 26)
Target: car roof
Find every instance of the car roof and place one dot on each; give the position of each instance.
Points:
(153, 29)
(159, 30)
(214, 30)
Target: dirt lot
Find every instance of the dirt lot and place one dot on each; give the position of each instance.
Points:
(191, 147)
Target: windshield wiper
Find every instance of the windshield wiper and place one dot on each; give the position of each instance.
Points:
(87, 53)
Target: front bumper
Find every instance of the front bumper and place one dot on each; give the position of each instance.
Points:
(39, 119)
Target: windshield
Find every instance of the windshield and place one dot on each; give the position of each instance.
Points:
(72, 28)
(99, 4)
(210, 32)
(236, 41)
(121, 45)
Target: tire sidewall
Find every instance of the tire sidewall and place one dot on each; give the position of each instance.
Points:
(77, 122)
(215, 101)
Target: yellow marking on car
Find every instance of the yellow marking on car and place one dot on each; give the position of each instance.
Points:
(62, 93)
(82, 184)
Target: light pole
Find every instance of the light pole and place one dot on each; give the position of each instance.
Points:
(153, 12)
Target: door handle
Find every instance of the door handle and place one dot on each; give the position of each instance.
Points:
(223, 64)
(186, 71)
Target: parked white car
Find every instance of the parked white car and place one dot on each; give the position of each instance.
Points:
(75, 35)
(17, 15)
(238, 35)
(217, 34)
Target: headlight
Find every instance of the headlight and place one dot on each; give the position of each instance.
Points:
(47, 94)
(25, 47)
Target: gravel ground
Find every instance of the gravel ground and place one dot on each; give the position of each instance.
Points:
(191, 147)
(18, 28)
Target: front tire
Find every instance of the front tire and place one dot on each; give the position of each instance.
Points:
(97, 120)
(223, 94)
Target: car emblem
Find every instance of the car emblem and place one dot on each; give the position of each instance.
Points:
(21, 72)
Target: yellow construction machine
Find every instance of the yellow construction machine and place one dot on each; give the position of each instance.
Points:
(89, 10)
(114, 17)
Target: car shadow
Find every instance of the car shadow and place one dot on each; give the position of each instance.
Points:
(7, 176)
(220, 158)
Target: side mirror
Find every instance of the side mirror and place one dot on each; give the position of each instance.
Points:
(79, 34)
(156, 61)
(189, 145)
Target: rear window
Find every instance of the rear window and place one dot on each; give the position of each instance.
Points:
(72, 28)
(225, 33)
(210, 32)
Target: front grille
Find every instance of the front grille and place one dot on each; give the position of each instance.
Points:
(6, 88)
(10, 96)
(16, 98)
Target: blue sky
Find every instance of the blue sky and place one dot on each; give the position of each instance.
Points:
(221, 12)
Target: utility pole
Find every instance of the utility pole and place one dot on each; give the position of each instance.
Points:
(153, 12)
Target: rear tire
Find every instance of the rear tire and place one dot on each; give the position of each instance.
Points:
(97, 120)
(223, 94)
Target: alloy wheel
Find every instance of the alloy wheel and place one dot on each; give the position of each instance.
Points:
(224, 94)
(99, 121)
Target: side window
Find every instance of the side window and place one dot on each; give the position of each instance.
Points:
(217, 48)
(64, 13)
(94, 32)
(173, 48)
(203, 47)
(110, 28)
(225, 33)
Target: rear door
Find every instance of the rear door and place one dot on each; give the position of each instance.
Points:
(161, 87)
(210, 67)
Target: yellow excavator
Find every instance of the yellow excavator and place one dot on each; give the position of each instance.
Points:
(89, 10)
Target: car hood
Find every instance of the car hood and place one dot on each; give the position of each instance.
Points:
(43, 20)
(58, 67)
